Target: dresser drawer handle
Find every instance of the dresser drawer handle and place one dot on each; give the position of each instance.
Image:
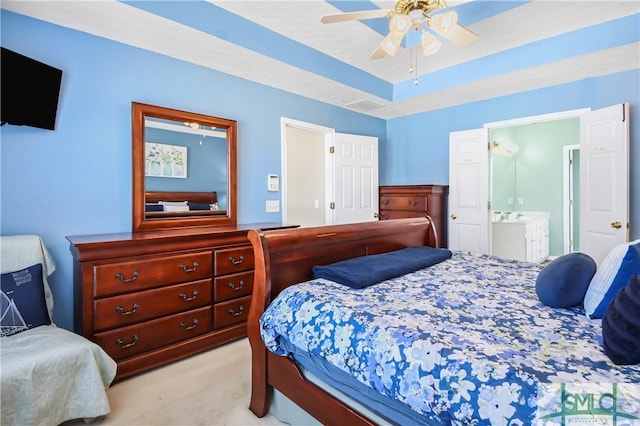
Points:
(128, 345)
(236, 262)
(127, 280)
(413, 203)
(133, 310)
(234, 287)
(385, 202)
(239, 312)
(193, 325)
(184, 267)
(189, 299)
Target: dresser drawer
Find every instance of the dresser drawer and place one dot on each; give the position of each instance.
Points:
(135, 339)
(233, 260)
(232, 286)
(400, 214)
(403, 203)
(125, 309)
(124, 277)
(231, 312)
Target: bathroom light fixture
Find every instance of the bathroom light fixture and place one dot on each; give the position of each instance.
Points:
(506, 149)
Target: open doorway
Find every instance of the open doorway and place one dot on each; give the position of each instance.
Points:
(306, 176)
(327, 177)
(527, 177)
(571, 197)
(604, 178)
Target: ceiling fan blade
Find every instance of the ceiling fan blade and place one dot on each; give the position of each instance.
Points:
(354, 16)
(379, 53)
(388, 46)
(458, 34)
(446, 24)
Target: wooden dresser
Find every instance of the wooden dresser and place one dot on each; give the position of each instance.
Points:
(404, 201)
(149, 298)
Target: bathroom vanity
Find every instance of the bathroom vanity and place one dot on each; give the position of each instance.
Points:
(523, 237)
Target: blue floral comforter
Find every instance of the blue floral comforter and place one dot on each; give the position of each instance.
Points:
(465, 341)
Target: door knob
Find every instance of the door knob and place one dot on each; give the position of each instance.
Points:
(376, 215)
(454, 217)
(616, 225)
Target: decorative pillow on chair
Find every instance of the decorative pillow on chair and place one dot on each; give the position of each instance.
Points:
(621, 325)
(622, 262)
(563, 282)
(22, 302)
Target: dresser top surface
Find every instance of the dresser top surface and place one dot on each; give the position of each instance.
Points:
(173, 233)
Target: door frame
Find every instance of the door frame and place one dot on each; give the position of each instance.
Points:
(329, 139)
(554, 116)
(568, 211)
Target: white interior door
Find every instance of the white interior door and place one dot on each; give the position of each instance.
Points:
(604, 180)
(469, 190)
(355, 174)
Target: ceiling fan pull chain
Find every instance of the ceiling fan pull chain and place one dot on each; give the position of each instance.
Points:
(415, 55)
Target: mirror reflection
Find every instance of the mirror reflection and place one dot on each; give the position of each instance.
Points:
(503, 176)
(188, 158)
(184, 168)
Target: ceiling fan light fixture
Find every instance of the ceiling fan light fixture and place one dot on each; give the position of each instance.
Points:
(430, 44)
(399, 25)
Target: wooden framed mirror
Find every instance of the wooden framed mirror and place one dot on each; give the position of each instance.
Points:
(184, 168)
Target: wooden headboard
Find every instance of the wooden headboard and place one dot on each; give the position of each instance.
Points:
(286, 257)
(193, 197)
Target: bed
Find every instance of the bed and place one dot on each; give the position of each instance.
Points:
(465, 341)
(176, 203)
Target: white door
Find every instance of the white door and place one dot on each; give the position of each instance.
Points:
(469, 190)
(355, 178)
(604, 180)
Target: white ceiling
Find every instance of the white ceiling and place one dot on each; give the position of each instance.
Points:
(521, 46)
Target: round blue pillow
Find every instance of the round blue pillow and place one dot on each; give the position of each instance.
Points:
(621, 325)
(564, 282)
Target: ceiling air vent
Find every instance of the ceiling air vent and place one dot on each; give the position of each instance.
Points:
(364, 105)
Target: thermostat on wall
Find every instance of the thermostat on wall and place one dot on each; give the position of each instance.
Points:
(273, 183)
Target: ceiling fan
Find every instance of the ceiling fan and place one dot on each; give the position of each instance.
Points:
(412, 14)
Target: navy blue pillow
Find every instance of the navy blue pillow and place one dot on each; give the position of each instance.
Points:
(22, 301)
(361, 272)
(564, 282)
(153, 207)
(199, 206)
(621, 325)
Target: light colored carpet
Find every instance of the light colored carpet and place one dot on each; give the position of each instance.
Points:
(211, 388)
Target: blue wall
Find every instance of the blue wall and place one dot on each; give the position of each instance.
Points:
(77, 179)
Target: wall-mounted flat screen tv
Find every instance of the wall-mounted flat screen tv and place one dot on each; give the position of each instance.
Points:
(30, 91)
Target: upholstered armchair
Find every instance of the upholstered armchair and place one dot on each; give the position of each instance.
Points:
(48, 374)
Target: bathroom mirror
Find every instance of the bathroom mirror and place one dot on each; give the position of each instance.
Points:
(184, 168)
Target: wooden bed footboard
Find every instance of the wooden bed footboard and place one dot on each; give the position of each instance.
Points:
(286, 257)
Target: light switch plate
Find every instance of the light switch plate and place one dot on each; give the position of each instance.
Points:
(273, 206)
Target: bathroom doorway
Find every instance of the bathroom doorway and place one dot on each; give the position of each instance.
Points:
(529, 166)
